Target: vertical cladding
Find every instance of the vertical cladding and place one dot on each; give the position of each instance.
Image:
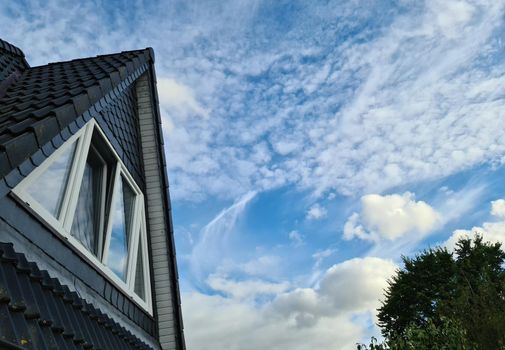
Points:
(122, 120)
(157, 226)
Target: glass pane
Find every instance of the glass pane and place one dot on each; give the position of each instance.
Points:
(139, 273)
(49, 188)
(86, 226)
(122, 220)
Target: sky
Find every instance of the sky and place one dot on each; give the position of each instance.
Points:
(310, 144)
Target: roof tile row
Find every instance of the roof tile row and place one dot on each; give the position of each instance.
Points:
(57, 93)
(40, 313)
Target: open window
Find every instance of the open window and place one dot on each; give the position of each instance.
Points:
(84, 191)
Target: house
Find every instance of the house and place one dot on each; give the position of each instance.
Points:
(87, 258)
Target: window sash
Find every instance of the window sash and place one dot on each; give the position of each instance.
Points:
(141, 239)
(63, 223)
(133, 225)
(92, 198)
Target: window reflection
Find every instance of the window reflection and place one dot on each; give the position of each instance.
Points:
(87, 225)
(139, 287)
(49, 188)
(122, 220)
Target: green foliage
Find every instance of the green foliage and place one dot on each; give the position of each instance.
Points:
(443, 300)
(415, 293)
(449, 335)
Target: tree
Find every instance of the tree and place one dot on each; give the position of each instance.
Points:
(414, 295)
(441, 295)
(479, 300)
(449, 335)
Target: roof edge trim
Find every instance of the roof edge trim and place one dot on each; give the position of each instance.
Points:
(177, 308)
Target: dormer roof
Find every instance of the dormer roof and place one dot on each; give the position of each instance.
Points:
(42, 101)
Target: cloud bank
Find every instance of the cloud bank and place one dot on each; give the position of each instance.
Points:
(302, 318)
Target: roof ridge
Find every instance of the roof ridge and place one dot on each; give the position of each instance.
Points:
(31, 120)
(11, 48)
(147, 50)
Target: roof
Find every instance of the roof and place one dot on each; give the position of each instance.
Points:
(45, 100)
(8, 47)
(12, 60)
(40, 313)
(41, 107)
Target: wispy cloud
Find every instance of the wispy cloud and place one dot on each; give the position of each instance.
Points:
(296, 238)
(245, 289)
(365, 110)
(415, 94)
(213, 242)
(320, 255)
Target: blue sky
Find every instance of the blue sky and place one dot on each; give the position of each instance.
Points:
(309, 144)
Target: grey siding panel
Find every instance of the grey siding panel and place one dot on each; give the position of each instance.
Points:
(165, 304)
(162, 277)
(159, 265)
(158, 228)
(170, 345)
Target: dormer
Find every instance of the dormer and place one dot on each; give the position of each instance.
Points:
(84, 203)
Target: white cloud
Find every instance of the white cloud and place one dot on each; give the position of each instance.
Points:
(498, 208)
(178, 98)
(354, 117)
(316, 212)
(381, 136)
(285, 147)
(265, 265)
(356, 284)
(451, 16)
(353, 228)
(237, 325)
(304, 318)
(391, 217)
(296, 238)
(493, 232)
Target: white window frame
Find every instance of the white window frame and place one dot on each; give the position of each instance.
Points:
(63, 223)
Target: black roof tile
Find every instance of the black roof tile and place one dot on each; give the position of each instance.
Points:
(45, 129)
(57, 92)
(12, 64)
(40, 313)
(4, 163)
(21, 147)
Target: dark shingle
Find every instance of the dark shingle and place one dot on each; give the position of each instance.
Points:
(56, 93)
(40, 313)
(12, 60)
